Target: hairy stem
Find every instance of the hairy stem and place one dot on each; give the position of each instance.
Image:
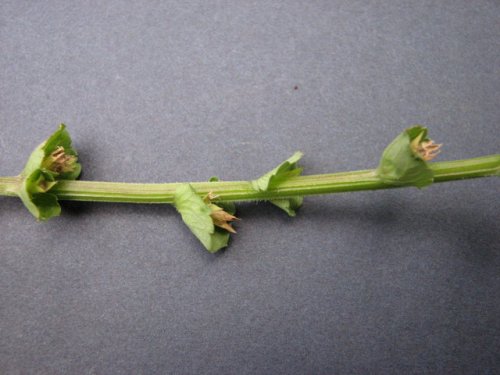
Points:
(242, 190)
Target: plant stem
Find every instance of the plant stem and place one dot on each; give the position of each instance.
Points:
(242, 190)
(10, 185)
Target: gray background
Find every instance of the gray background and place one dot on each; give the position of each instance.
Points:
(386, 282)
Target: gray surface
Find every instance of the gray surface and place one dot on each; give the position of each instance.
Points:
(385, 282)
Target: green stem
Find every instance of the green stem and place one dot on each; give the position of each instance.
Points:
(225, 190)
(9, 186)
(243, 191)
(468, 168)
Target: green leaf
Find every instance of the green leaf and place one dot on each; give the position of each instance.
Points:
(401, 164)
(273, 178)
(34, 194)
(279, 174)
(46, 205)
(196, 215)
(290, 205)
(52, 161)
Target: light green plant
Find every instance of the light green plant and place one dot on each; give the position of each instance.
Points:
(208, 208)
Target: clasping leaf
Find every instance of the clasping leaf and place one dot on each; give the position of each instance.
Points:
(52, 161)
(273, 178)
(208, 221)
(404, 161)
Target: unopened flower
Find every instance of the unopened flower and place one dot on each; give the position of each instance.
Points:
(429, 150)
(219, 216)
(222, 218)
(59, 161)
(425, 149)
